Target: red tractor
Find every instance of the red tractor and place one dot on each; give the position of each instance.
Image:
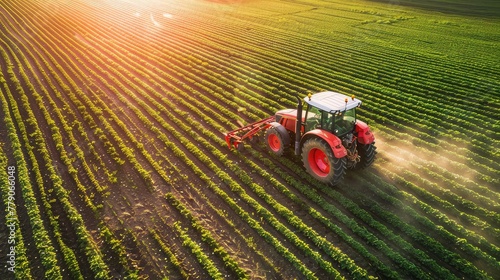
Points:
(327, 135)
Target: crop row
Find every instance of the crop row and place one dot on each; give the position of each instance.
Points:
(432, 111)
(202, 157)
(396, 115)
(39, 231)
(151, 101)
(285, 42)
(167, 92)
(475, 191)
(8, 190)
(369, 237)
(80, 230)
(374, 184)
(372, 222)
(208, 238)
(453, 226)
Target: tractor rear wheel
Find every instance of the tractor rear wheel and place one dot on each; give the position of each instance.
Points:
(320, 162)
(366, 154)
(277, 139)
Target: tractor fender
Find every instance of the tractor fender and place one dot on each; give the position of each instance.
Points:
(282, 131)
(278, 127)
(333, 141)
(365, 136)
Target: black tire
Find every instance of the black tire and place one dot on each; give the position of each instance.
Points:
(366, 154)
(255, 139)
(277, 139)
(240, 147)
(319, 161)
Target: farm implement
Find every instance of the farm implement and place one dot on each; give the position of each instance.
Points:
(327, 135)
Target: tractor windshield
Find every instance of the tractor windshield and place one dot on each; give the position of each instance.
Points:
(344, 121)
(313, 118)
(339, 123)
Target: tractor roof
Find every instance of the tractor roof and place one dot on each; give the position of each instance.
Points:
(332, 101)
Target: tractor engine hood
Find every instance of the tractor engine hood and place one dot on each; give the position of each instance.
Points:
(288, 114)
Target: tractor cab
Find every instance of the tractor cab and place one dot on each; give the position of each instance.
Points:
(331, 111)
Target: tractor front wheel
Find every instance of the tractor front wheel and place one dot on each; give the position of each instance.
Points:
(277, 139)
(320, 162)
(366, 154)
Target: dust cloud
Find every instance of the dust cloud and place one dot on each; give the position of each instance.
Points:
(446, 169)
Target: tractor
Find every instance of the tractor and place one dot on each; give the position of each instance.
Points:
(327, 135)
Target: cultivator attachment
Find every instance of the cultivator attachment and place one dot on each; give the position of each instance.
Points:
(236, 137)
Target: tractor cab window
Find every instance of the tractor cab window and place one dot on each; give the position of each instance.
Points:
(313, 118)
(343, 122)
(339, 123)
(328, 121)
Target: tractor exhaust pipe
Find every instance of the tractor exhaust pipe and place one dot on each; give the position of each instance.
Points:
(298, 126)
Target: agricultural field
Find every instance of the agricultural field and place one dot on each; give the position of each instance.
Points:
(113, 162)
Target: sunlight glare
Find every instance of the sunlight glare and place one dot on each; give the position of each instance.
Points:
(157, 24)
(167, 15)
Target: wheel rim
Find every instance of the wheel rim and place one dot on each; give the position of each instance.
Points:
(319, 162)
(274, 142)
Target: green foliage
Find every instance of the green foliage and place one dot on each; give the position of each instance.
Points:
(94, 105)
